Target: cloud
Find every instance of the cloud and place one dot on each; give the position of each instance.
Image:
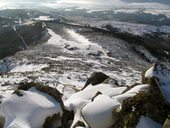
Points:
(95, 4)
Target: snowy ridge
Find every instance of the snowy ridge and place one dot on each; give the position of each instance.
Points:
(133, 28)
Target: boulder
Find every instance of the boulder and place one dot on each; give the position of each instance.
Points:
(96, 78)
(32, 104)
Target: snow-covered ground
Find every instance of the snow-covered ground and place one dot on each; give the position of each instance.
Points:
(77, 54)
(28, 68)
(79, 45)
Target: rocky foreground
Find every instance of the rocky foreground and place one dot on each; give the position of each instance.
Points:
(101, 103)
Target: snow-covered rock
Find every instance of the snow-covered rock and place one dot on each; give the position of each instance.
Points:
(98, 113)
(29, 110)
(94, 105)
(88, 93)
(162, 74)
(159, 71)
(132, 92)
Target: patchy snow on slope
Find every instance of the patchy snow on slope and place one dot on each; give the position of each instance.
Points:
(77, 37)
(73, 79)
(125, 76)
(146, 53)
(28, 68)
(10, 65)
(146, 122)
(6, 65)
(29, 110)
(6, 79)
(55, 39)
(80, 44)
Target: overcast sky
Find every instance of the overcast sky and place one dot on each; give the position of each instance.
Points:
(85, 3)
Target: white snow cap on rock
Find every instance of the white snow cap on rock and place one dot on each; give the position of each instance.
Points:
(29, 110)
(97, 111)
(88, 93)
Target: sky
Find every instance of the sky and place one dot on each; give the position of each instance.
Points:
(12, 4)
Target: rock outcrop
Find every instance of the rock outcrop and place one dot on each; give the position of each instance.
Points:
(95, 78)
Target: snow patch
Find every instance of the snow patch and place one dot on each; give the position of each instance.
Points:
(29, 68)
(43, 18)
